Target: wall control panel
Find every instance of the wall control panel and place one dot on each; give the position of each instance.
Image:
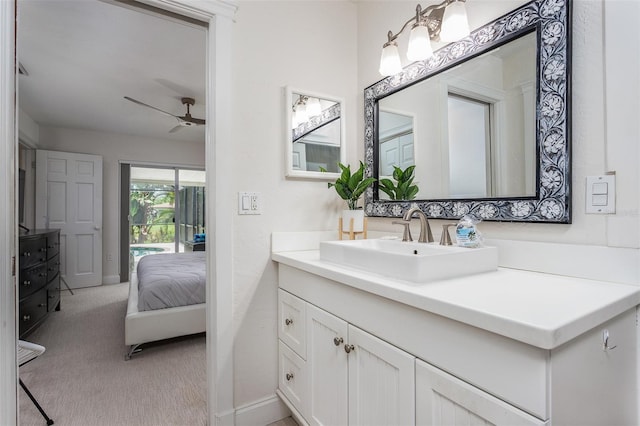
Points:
(249, 203)
(601, 194)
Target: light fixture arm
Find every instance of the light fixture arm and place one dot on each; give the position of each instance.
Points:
(433, 24)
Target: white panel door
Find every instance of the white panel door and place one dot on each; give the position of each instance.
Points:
(69, 198)
(327, 364)
(442, 399)
(381, 382)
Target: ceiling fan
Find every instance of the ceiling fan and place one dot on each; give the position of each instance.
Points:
(183, 121)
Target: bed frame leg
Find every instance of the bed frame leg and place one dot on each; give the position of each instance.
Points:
(133, 349)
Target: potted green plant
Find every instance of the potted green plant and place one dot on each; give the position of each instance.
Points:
(403, 187)
(350, 187)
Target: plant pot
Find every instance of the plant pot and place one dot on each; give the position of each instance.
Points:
(358, 220)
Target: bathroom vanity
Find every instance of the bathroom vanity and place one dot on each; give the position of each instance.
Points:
(504, 347)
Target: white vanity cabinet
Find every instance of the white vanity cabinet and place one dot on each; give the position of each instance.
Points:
(408, 365)
(349, 376)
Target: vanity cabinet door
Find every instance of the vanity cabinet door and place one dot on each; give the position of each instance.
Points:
(442, 399)
(327, 364)
(381, 382)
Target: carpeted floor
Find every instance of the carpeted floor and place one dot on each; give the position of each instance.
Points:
(83, 379)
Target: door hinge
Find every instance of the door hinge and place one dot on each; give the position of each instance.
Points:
(13, 266)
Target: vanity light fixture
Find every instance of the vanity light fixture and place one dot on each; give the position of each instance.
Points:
(300, 114)
(446, 22)
(304, 108)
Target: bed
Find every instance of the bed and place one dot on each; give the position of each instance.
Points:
(166, 298)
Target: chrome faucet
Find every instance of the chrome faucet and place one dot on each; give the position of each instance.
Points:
(425, 229)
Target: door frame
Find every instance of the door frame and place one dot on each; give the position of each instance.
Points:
(219, 15)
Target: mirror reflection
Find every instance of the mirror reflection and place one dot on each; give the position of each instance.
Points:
(315, 141)
(470, 131)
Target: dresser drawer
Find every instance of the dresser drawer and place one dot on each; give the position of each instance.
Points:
(53, 294)
(53, 266)
(32, 311)
(32, 279)
(32, 251)
(53, 245)
(291, 322)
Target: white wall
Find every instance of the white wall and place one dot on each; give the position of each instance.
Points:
(334, 48)
(310, 45)
(115, 148)
(598, 97)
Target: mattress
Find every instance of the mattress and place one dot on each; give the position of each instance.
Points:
(171, 279)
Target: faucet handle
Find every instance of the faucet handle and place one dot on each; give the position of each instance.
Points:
(445, 238)
(406, 235)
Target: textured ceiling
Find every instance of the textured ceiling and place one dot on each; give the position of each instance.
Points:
(84, 56)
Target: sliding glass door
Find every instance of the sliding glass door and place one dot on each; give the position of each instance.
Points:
(164, 212)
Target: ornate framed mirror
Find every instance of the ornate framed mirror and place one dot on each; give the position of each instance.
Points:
(315, 135)
(485, 121)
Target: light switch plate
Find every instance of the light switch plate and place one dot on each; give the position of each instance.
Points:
(601, 194)
(249, 203)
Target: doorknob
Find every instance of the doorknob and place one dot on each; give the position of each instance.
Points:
(97, 228)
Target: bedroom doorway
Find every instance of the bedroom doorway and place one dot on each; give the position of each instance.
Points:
(163, 211)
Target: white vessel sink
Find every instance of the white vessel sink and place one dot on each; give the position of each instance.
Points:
(411, 261)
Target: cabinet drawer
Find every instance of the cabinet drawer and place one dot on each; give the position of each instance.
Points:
(32, 280)
(292, 377)
(53, 294)
(32, 310)
(291, 322)
(32, 251)
(53, 245)
(53, 266)
(444, 399)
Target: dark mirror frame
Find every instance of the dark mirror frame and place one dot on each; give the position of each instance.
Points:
(552, 202)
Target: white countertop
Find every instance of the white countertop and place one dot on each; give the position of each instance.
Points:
(539, 309)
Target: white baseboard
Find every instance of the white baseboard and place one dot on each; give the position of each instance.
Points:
(110, 279)
(226, 419)
(261, 413)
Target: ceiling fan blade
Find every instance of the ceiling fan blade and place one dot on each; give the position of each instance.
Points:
(189, 119)
(149, 106)
(175, 129)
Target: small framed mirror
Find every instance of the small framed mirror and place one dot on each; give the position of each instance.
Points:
(315, 135)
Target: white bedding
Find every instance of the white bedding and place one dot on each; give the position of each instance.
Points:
(170, 280)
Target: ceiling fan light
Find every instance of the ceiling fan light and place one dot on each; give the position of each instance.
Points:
(390, 59)
(455, 24)
(419, 43)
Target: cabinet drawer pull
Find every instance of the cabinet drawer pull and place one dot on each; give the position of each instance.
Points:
(288, 321)
(27, 254)
(289, 376)
(349, 348)
(52, 296)
(26, 317)
(605, 342)
(338, 341)
(42, 274)
(41, 305)
(26, 283)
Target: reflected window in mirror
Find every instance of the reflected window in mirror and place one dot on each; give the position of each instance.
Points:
(493, 114)
(315, 135)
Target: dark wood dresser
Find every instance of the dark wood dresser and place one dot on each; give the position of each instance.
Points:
(39, 278)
